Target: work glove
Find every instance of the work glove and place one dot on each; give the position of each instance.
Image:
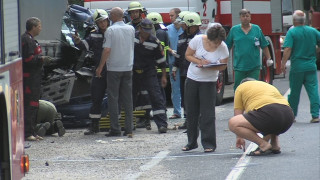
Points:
(269, 62)
(46, 60)
(174, 53)
(174, 70)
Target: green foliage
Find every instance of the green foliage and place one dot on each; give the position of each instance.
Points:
(79, 2)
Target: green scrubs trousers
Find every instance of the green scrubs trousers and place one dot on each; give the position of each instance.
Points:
(310, 81)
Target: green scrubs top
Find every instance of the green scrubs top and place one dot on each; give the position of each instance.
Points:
(246, 47)
(302, 40)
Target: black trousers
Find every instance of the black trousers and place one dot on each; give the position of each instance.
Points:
(182, 87)
(98, 91)
(31, 93)
(200, 101)
(147, 80)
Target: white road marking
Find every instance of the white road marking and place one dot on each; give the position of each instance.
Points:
(243, 162)
(188, 154)
(287, 93)
(156, 160)
(239, 168)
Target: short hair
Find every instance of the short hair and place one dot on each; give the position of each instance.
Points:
(216, 32)
(299, 16)
(244, 11)
(247, 79)
(32, 22)
(177, 11)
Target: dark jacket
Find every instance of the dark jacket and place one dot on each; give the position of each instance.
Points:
(93, 42)
(163, 36)
(148, 54)
(32, 69)
(183, 44)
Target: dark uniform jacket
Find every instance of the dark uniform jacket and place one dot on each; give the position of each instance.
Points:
(162, 35)
(183, 43)
(94, 43)
(32, 69)
(149, 54)
(135, 25)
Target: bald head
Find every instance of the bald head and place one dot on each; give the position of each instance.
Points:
(299, 17)
(116, 14)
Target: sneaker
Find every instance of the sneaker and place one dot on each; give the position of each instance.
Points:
(162, 129)
(314, 120)
(59, 127)
(31, 138)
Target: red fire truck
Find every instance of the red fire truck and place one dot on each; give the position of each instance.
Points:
(13, 161)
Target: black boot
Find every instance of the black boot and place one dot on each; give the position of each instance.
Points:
(96, 126)
(89, 130)
(58, 126)
(148, 124)
(184, 125)
(141, 123)
(93, 127)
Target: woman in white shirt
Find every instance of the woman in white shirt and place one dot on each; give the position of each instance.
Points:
(206, 53)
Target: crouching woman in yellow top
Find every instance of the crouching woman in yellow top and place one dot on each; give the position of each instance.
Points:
(260, 108)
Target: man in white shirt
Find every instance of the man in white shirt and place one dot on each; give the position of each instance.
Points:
(118, 38)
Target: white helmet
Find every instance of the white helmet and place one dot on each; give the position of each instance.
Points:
(100, 14)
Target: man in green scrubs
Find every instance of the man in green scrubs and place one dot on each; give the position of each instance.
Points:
(246, 39)
(300, 46)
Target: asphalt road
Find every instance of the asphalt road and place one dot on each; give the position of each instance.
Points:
(149, 155)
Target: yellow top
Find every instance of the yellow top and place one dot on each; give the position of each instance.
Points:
(252, 95)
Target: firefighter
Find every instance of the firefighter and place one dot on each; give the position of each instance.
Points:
(48, 121)
(148, 53)
(135, 11)
(32, 62)
(94, 43)
(163, 37)
(193, 23)
(181, 21)
(160, 29)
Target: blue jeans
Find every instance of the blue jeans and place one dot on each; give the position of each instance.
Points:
(175, 92)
